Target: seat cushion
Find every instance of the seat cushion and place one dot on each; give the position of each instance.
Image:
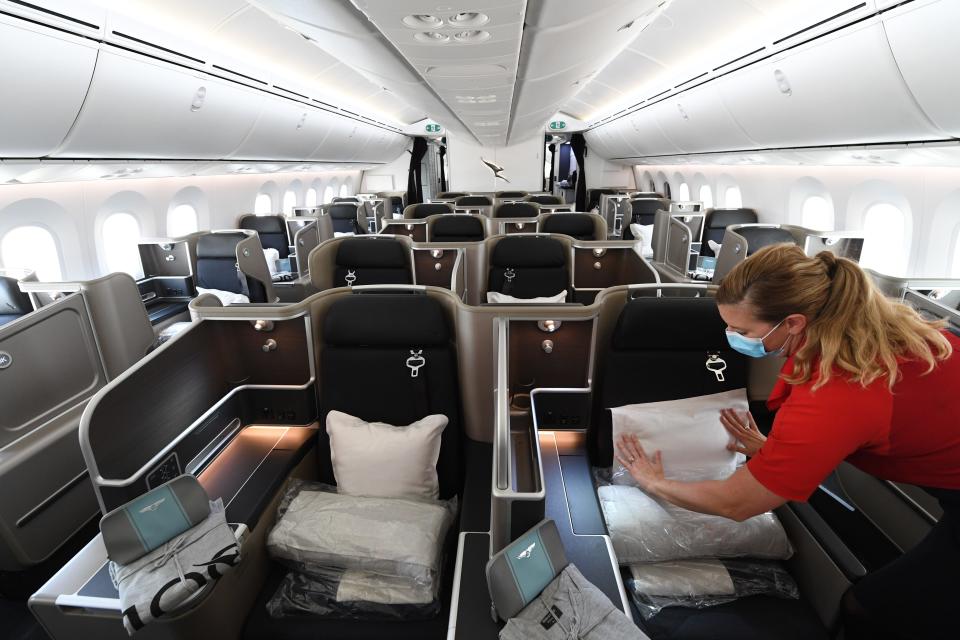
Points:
(371, 261)
(516, 210)
(528, 267)
(457, 229)
(575, 225)
(473, 201)
(430, 209)
(217, 262)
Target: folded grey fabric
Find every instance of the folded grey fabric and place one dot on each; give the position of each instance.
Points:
(571, 608)
(174, 574)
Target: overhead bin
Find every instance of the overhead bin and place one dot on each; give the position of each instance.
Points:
(44, 75)
(923, 38)
(285, 130)
(697, 120)
(146, 109)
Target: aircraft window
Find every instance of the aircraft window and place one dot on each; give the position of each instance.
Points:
(817, 213)
(182, 220)
(344, 190)
(884, 230)
(732, 198)
(32, 248)
(120, 235)
(683, 193)
(706, 196)
(263, 206)
(311, 199)
(289, 202)
(328, 195)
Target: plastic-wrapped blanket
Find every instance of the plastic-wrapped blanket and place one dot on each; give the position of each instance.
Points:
(705, 582)
(647, 530)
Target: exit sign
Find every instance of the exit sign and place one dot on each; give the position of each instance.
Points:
(556, 125)
(433, 128)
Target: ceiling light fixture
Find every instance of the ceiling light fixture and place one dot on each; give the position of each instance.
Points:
(432, 37)
(423, 21)
(476, 35)
(468, 19)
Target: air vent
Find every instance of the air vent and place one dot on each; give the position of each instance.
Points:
(432, 37)
(157, 47)
(468, 19)
(423, 21)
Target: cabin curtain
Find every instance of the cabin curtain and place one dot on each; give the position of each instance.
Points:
(553, 158)
(443, 171)
(579, 147)
(414, 185)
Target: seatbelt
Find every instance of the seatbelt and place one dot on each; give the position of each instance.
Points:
(417, 364)
(242, 277)
(509, 274)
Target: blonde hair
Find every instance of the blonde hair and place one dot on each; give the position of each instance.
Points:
(851, 325)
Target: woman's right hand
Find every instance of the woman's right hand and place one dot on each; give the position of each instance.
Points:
(747, 437)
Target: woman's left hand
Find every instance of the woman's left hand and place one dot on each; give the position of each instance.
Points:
(646, 470)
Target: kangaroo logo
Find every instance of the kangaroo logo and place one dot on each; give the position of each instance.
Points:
(351, 277)
(415, 362)
(526, 553)
(154, 506)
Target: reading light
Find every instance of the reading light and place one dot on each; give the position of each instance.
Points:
(468, 19)
(423, 21)
(433, 37)
(263, 325)
(549, 326)
(471, 36)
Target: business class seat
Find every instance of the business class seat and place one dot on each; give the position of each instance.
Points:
(452, 195)
(349, 199)
(473, 201)
(272, 231)
(759, 237)
(580, 226)
(346, 218)
(544, 199)
(643, 211)
(529, 266)
(593, 196)
(13, 302)
(516, 210)
(426, 209)
(717, 222)
(456, 228)
(217, 267)
(362, 261)
(362, 353)
(658, 351)
(500, 195)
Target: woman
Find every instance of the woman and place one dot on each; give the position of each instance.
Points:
(867, 380)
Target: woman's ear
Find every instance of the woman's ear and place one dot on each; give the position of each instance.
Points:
(796, 323)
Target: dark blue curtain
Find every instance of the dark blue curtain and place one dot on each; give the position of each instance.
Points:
(579, 147)
(414, 186)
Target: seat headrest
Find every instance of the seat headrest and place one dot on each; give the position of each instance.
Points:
(347, 199)
(528, 251)
(511, 194)
(431, 209)
(459, 226)
(571, 224)
(12, 300)
(453, 194)
(371, 252)
(640, 207)
(219, 245)
(343, 210)
(723, 218)
(386, 320)
(264, 224)
(759, 237)
(474, 201)
(545, 199)
(670, 324)
(647, 194)
(516, 210)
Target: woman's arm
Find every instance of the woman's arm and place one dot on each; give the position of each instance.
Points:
(738, 497)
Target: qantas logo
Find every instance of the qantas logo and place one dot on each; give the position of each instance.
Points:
(526, 553)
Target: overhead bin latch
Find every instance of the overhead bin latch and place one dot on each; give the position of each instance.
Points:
(717, 365)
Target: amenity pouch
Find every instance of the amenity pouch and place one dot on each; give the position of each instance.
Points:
(519, 572)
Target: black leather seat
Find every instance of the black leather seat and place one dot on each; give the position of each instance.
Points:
(13, 302)
(344, 218)
(593, 196)
(575, 225)
(393, 205)
(473, 201)
(643, 212)
(457, 228)
(516, 210)
(453, 194)
(426, 209)
(544, 199)
(717, 222)
(529, 267)
(511, 194)
(272, 231)
(363, 261)
(361, 353)
(350, 199)
(217, 266)
(759, 237)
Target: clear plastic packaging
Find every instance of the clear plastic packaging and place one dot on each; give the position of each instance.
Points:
(706, 582)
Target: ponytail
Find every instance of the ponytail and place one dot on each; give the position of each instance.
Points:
(851, 326)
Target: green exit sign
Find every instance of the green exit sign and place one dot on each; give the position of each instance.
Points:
(556, 125)
(433, 128)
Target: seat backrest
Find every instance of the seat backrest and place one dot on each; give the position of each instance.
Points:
(457, 228)
(528, 267)
(643, 211)
(575, 225)
(544, 199)
(352, 199)
(646, 194)
(426, 209)
(511, 194)
(272, 231)
(450, 195)
(364, 371)
(516, 210)
(658, 351)
(13, 302)
(759, 237)
(217, 266)
(717, 222)
(362, 261)
(473, 201)
(344, 218)
(593, 196)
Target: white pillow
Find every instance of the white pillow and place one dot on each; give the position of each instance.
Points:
(495, 297)
(643, 529)
(343, 234)
(373, 587)
(687, 432)
(715, 246)
(271, 256)
(682, 578)
(381, 460)
(644, 233)
(225, 297)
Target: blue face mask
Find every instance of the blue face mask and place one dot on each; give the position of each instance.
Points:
(753, 347)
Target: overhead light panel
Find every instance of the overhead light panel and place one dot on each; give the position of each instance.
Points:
(432, 37)
(423, 21)
(468, 19)
(474, 36)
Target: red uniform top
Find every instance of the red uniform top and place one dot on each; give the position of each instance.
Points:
(911, 435)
